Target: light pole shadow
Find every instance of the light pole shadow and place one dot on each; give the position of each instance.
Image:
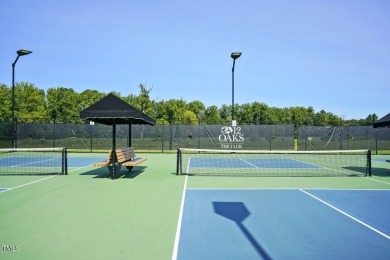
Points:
(238, 212)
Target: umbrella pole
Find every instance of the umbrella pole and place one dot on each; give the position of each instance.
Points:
(129, 137)
(113, 174)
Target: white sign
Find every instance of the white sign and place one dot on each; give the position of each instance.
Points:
(231, 137)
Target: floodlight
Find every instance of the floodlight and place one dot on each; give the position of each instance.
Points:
(23, 52)
(20, 53)
(236, 55)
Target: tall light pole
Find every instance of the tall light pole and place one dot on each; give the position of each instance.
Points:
(20, 53)
(234, 55)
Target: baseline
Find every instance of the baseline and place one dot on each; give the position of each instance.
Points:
(179, 221)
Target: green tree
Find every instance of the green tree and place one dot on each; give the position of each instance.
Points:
(260, 112)
(301, 115)
(198, 108)
(212, 115)
(310, 116)
(89, 97)
(274, 115)
(245, 114)
(321, 118)
(334, 120)
(142, 102)
(30, 104)
(189, 118)
(371, 118)
(145, 104)
(174, 110)
(5, 103)
(225, 114)
(64, 105)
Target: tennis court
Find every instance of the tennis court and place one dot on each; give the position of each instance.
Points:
(285, 224)
(152, 213)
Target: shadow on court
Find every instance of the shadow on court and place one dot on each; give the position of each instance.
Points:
(122, 174)
(380, 172)
(356, 171)
(238, 212)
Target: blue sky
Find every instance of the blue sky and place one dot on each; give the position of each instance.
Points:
(328, 54)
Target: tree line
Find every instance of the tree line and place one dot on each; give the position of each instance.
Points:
(63, 105)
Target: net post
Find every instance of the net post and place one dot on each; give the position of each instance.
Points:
(178, 162)
(64, 161)
(369, 162)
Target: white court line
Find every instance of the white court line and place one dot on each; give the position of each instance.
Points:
(34, 162)
(376, 180)
(248, 163)
(179, 222)
(29, 183)
(379, 161)
(346, 214)
(13, 188)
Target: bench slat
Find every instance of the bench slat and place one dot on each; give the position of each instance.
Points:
(124, 156)
(101, 164)
(134, 162)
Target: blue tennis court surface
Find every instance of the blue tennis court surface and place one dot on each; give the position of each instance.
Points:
(248, 163)
(83, 161)
(44, 165)
(28, 161)
(285, 224)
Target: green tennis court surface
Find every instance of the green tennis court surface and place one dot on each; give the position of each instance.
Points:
(86, 215)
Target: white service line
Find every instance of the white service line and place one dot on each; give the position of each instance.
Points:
(346, 214)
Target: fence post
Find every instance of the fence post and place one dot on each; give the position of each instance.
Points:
(54, 133)
(199, 135)
(170, 136)
(162, 138)
(376, 141)
(15, 132)
(270, 137)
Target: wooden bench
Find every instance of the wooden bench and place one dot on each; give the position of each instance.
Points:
(125, 156)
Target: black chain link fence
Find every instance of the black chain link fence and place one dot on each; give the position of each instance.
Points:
(98, 137)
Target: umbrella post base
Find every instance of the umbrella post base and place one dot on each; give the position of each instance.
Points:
(114, 170)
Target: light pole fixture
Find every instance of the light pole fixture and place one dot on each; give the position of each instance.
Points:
(234, 55)
(20, 53)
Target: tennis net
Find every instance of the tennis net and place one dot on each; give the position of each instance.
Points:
(33, 161)
(273, 163)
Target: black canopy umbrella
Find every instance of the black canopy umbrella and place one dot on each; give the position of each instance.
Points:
(383, 122)
(112, 110)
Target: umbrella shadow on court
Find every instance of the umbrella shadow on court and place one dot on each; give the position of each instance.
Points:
(237, 212)
(103, 172)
